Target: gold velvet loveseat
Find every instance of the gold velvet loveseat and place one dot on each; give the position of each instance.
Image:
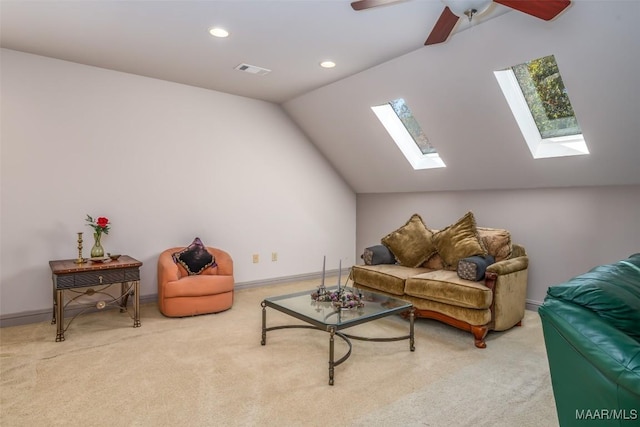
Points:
(422, 268)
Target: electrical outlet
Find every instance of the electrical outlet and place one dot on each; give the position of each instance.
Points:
(274, 256)
(256, 258)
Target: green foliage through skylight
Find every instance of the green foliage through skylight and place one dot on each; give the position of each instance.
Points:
(414, 129)
(547, 97)
(404, 130)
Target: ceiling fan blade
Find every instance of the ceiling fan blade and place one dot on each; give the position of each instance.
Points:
(542, 9)
(443, 27)
(368, 4)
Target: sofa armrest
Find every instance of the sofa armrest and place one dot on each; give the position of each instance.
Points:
(508, 266)
(592, 364)
(508, 281)
(224, 261)
(615, 354)
(168, 270)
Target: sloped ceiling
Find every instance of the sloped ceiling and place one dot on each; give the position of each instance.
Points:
(455, 97)
(449, 87)
(169, 40)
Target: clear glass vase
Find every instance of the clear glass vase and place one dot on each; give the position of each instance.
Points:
(97, 251)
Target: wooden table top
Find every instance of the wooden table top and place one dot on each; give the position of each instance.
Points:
(66, 266)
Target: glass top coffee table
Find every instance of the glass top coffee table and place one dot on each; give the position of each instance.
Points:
(325, 317)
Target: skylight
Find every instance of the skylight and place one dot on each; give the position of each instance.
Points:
(540, 104)
(397, 119)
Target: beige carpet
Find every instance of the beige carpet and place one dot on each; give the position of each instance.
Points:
(212, 371)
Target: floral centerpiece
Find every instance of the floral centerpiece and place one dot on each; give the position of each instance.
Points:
(344, 297)
(100, 225)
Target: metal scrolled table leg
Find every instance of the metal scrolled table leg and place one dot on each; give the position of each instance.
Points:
(412, 316)
(59, 315)
(264, 323)
(136, 304)
(332, 332)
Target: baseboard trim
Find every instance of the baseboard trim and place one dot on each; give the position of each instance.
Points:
(37, 316)
(533, 305)
(288, 279)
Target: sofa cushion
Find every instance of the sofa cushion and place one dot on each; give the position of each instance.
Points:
(458, 241)
(412, 244)
(611, 291)
(388, 278)
(472, 316)
(194, 258)
(378, 254)
(497, 241)
(445, 286)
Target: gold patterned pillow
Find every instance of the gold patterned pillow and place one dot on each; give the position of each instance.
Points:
(458, 241)
(497, 241)
(411, 244)
(434, 263)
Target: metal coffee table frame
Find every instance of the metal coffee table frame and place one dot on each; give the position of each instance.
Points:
(300, 306)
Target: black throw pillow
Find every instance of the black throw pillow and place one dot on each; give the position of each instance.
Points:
(194, 258)
(378, 254)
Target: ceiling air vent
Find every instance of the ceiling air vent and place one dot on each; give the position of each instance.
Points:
(252, 69)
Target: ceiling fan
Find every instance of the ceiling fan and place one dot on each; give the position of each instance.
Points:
(455, 9)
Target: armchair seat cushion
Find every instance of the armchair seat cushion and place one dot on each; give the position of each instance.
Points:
(196, 286)
(447, 287)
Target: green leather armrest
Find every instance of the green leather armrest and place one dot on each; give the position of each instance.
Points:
(615, 354)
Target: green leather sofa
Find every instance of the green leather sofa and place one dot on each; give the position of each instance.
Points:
(591, 327)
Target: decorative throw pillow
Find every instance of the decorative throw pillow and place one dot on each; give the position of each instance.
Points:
(412, 243)
(497, 241)
(434, 263)
(195, 258)
(378, 254)
(473, 268)
(458, 241)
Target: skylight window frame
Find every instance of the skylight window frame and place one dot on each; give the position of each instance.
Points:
(540, 148)
(403, 139)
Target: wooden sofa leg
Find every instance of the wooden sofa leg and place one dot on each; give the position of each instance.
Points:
(479, 333)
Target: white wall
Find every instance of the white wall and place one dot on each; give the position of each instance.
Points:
(566, 231)
(165, 163)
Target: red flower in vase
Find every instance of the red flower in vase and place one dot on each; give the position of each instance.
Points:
(100, 225)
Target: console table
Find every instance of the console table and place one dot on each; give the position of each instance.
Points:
(69, 276)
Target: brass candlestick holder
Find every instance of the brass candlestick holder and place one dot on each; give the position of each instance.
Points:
(80, 260)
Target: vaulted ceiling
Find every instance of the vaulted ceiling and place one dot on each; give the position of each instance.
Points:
(169, 39)
(380, 56)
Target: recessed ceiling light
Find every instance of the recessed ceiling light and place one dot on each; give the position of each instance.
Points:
(219, 32)
(327, 64)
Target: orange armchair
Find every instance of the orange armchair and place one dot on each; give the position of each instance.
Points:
(180, 294)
